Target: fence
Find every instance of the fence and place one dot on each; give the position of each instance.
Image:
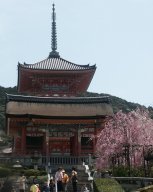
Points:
(45, 160)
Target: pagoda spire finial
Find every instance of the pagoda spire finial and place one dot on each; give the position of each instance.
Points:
(53, 53)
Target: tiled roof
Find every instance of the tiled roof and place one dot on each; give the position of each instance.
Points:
(58, 100)
(56, 64)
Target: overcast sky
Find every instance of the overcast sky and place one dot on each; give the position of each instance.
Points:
(116, 35)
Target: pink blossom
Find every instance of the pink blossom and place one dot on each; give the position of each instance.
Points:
(134, 129)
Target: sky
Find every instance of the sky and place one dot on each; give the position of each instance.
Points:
(116, 35)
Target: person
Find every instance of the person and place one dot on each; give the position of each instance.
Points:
(22, 183)
(13, 189)
(38, 189)
(84, 188)
(7, 186)
(74, 179)
(107, 174)
(34, 188)
(35, 180)
(65, 180)
(58, 179)
(97, 174)
(45, 187)
(52, 185)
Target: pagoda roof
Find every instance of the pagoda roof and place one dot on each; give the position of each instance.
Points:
(58, 107)
(58, 100)
(57, 64)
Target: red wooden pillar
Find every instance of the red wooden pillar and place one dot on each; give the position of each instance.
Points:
(47, 142)
(94, 145)
(23, 140)
(76, 143)
(44, 143)
(79, 141)
(95, 138)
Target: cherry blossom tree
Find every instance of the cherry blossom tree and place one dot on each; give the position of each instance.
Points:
(125, 137)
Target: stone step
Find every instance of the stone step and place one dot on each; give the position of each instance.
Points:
(80, 186)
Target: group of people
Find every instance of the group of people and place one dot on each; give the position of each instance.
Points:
(62, 179)
(58, 183)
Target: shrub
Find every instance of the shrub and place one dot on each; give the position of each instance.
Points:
(123, 171)
(107, 185)
(31, 172)
(4, 172)
(39, 179)
(7, 186)
(120, 171)
(137, 172)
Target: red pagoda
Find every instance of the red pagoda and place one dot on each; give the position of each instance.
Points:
(48, 116)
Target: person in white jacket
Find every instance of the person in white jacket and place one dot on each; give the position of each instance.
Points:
(22, 183)
(58, 180)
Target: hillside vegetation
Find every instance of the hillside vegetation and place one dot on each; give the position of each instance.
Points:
(3, 91)
(117, 103)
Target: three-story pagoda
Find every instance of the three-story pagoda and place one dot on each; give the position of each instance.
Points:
(49, 116)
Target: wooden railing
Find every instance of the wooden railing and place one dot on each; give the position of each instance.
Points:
(45, 160)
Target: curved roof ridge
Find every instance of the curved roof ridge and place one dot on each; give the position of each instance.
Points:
(77, 98)
(57, 64)
(23, 98)
(87, 65)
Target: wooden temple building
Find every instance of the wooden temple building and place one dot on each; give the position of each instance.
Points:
(49, 116)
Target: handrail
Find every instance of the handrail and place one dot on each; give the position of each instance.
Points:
(133, 178)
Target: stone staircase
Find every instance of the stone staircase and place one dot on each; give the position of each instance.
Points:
(84, 179)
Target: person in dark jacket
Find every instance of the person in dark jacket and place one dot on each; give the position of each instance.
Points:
(45, 187)
(74, 179)
(52, 185)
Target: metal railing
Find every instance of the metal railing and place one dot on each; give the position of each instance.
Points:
(133, 183)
